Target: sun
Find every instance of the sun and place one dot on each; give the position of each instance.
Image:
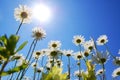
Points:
(41, 12)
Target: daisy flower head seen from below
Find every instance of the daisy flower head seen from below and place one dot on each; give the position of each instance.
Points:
(100, 57)
(78, 39)
(116, 72)
(38, 54)
(18, 56)
(59, 63)
(34, 65)
(54, 44)
(99, 72)
(23, 14)
(78, 55)
(89, 45)
(78, 73)
(40, 69)
(38, 33)
(52, 53)
(102, 40)
(86, 53)
(116, 61)
(68, 53)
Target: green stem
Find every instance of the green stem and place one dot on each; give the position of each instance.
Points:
(104, 77)
(79, 69)
(25, 70)
(3, 66)
(109, 51)
(100, 77)
(68, 67)
(42, 61)
(38, 78)
(53, 62)
(19, 27)
(30, 49)
(13, 73)
(28, 61)
(80, 52)
(35, 70)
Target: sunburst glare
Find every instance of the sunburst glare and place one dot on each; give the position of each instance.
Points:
(41, 12)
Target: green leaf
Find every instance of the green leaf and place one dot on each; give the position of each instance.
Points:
(3, 52)
(90, 70)
(54, 74)
(11, 43)
(4, 39)
(21, 46)
(16, 69)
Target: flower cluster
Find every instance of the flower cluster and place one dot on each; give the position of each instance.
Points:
(43, 61)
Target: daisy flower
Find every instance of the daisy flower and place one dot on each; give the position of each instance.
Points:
(100, 57)
(59, 63)
(18, 56)
(38, 33)
(23, 14)
(38, 54)
(89, 45)
(99, 72)
(86, 53)
(21, 61)
(50, 60)
(102, 40)
(48, 66)
(78, 74)
(26, 78)
(78, 39)
(78, 55)
(34, 64)
(68, 53)
(39, 69)
(54, 44)
(116, 72)
(117, 61)
(52, 53)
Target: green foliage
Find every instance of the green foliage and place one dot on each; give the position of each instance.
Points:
(91, 73)
(9, 45)
(21, 46)
(54, 74)
(16, 69)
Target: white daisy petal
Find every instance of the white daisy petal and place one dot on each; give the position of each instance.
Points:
(23, 13)
(54, 44)
(102, 40)
(38, 33)
(78, 39)
(116, 72)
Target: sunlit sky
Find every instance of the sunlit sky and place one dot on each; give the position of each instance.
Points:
(69, 18)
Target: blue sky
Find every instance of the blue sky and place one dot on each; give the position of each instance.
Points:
(70, 17)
